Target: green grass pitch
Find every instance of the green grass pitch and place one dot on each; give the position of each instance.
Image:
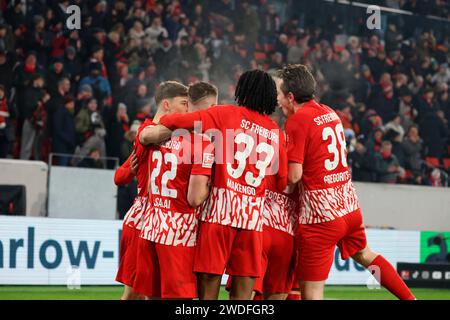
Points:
(114, 293)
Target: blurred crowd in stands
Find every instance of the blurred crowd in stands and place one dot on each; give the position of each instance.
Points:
(85, 92)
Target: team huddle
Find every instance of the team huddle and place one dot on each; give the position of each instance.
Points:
(224, 190)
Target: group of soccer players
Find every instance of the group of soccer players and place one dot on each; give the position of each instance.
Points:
(222, 189)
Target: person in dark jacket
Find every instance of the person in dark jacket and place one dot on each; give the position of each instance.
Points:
(387, 167)
(413, 148)
(6, 71)
(117, 124)
(34, 126)
(63, 133)
(4, 115)
(57, 100)
(434, 133)
(54, 75)
(397, 147)
(361, 163)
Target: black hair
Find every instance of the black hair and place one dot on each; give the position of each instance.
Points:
(257, 91)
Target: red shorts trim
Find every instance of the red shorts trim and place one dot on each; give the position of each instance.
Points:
(223, 249)
(317, 243)
(278, 262)
(128, 255)
(165, 272)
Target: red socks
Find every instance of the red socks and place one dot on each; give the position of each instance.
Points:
(391, 280)
(295, 296)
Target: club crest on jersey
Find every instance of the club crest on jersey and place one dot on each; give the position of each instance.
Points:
(208, 160)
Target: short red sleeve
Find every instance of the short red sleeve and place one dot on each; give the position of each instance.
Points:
(296, 134)
(203, 160)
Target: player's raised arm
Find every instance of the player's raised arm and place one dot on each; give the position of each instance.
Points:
(154, 134)
(182, 121)
(199, 182)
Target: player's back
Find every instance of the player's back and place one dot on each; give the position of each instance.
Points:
(326, 183)
(247, 149)
(280, 208)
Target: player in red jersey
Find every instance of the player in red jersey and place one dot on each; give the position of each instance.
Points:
(278, 256)
(180, 170)
(280, 222)
(330, 214)
(123, 176)
(132, 222)
(230, 232)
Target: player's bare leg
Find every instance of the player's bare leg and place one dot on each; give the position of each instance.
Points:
(275, 296)
(365, 257)
(241, 288)
(312, 290)
(129, 294)
(388, 276)
(208, 286)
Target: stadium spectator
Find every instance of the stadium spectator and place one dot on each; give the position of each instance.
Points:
(128, 140)
(117, 124)
(63, 134)
(4, 115)
(56, 102)
(437, 178)
(93, 160)
(100, 86)
(23, 73)
(54, 75)
(5, 71)
(35, 116)
(395, 125)
(413, 147)
(361, 163)
(91, 133)
(434, 133)
(123, 44)
(154, 32)
(387, 166)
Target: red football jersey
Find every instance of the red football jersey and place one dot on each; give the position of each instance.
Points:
(249, 146)
(280, 208)
(134, 216)
(315, 138)
(171, 221)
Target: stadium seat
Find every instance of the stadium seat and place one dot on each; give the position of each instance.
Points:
(432, 161)
(408, 174)
(447, 164)
(268, 47)
(260, 56)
